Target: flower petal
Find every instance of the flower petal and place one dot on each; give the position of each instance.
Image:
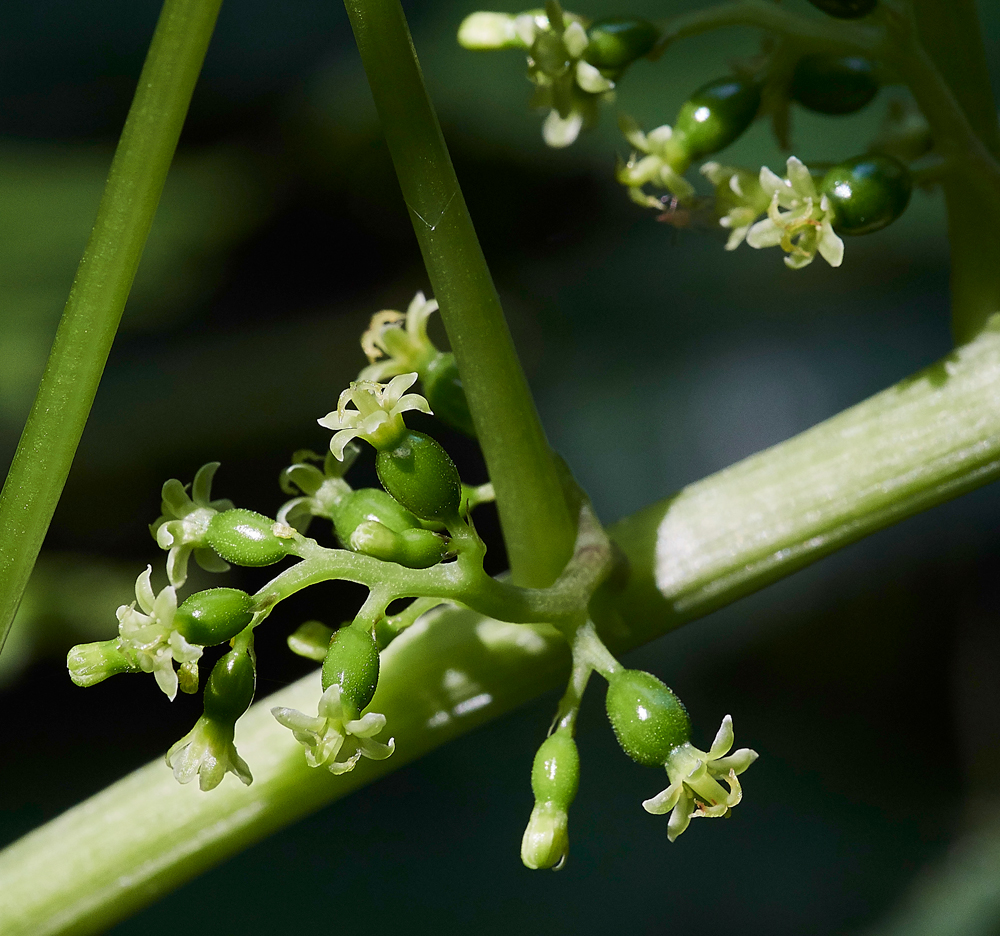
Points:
(680, 818)
(144, 591)
(664, 801)
(365, 727)
(375, 750)
(737, 762)
(764, 233)
(558, 132)
(799, 176)
(723, 740)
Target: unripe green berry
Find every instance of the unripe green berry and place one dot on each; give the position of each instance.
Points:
(214, 616)
(648, 719)
(367, 504)
(444, 391)
(830, 84)
(352, 663)
(618, 41)
(416, 549)
(245, 538)
(555, 773)
(717, 114)
(230, 687)
(867, 193)
(845, 9)
(420, 474)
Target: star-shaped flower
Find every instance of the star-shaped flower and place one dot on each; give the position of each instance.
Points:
(181, 528)
(805, 226)
(694, 775)
(663, 164)
(208, 753)
(401, 339)
(739, 199)
(324, 735)
(322, 490)
(148, 637)
(378, 418)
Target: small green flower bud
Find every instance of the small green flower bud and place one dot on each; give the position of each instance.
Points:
(213, 616)
(352, 663)
(92, 663)
(368, 504)
(867, 193)
(717, 114)
(415, 549)
(444, 391)
(618, 41)
(555, 773)
(420, 474)
(229, 690)
(648, 719)
(845, 9)
(545, 843)
(246, 538)
(311, 640)
(830, 84)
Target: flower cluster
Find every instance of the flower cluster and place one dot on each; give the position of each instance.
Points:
(400, 339)
(207, 752)
(662, 164)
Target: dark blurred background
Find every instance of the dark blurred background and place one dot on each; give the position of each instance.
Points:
(867, 683)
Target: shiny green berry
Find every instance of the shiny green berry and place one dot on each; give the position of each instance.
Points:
(717, 114)
(867, 193)
(444, 391)
(830, 84)
(618, 41)
(352, 663)
(555, 773)
(648, 719)
(245, 538)
(420, 474)
(214, 616)
(230, 687)
(845, 9)
(370, 504)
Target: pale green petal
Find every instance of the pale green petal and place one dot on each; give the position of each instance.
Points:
(365, 727)
(374, 749)
(590, 79)
(575, 39)
(831, 247)
(664, 801)
(483, 30)
(559, 133)
(144, 591)
(723, 740)
(201, 487)
(763, 234)
(680, 818)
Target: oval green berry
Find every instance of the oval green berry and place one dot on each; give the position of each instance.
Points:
(845, 9)
(214, 616)
(867, 193)
(618, 41)
(420, 474)
(555, 773)
(830, 84)
(648, 719)
(245, 538)
(717, 114)
(444, 391)
(230, 688)
(352, 663)
(370, 504)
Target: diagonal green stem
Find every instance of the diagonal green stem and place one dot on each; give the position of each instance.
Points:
(97, 299)
(537, 526)
(917, 444)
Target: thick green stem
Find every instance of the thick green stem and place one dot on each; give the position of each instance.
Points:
(917, 444)
(103, 280)
(537, 526)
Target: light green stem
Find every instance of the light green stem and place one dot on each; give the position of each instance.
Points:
(537, 527)
(917, 444)
(103, 280)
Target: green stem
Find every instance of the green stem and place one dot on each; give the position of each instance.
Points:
(922, 442)
(103, 280)
(537, 527)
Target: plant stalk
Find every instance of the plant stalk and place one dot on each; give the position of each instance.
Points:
(103, 280)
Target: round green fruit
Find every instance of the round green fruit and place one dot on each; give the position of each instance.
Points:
(420, 474)
(214, 616)
(555, 773)
(867, 193)
(230, 688)
(830, 84)
(648, 719)
(245, 538)
(618, 41)
(352, 663)
(717, 114)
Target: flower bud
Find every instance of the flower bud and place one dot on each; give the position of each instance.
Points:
(444, 391)
(352, 662)
(245, 538)
(555, 773)
(416, 548)
(213, 616)
(420, 474)
(545, 843)
(648, 719)
(92, 663)
(229, 690)
(618, 41)
(370, 504)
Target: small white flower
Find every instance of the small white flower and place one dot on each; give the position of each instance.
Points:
(378, 418)
(662, 165)
(208, 753)
(739, 199)
(400, 339)
(798, 220)
(181, 528)
(694, 776)
(324, 735)
(148, 637)
(322, 491)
